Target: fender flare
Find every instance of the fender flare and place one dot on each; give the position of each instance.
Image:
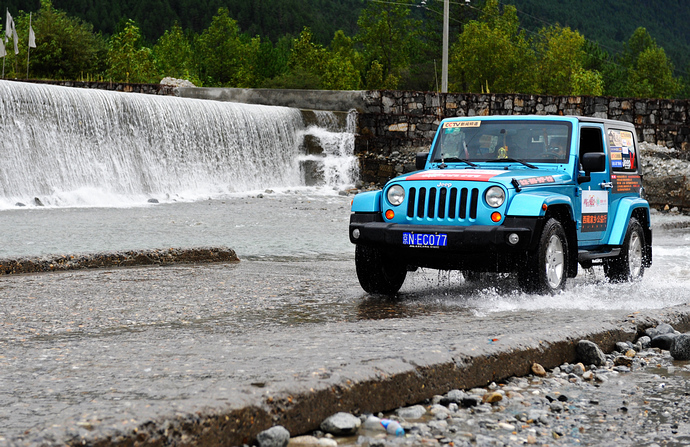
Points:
(532, 204)
(626, 207)
(367, 202)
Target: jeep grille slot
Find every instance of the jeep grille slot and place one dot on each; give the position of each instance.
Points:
(453, 203)
(411, 202)
(463, 204)
(421, 204)
(473, 203)
(442, 203)
(432, 203)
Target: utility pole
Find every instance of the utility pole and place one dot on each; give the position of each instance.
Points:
(444, 62)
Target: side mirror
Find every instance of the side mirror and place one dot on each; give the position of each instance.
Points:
(420, 160)
(592, 162)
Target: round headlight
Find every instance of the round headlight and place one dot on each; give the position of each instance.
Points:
(495, 196)
(396, 195)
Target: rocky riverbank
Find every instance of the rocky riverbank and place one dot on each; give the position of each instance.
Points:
(118, 259)
(632, 396)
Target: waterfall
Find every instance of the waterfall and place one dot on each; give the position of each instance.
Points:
(333, 162)
(80, 147)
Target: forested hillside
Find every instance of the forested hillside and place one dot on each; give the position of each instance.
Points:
(268, 18)
(612, 22)
(580, 47)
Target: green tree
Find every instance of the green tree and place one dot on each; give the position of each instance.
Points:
(492, 53)
(66, 47)
(173, 54)
(128, 59)
(311, 66)
(389, 35)
(652, 75)
(222, 57)
(561, 59)
(649, 71)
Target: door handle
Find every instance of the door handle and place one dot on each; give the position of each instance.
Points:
(606, 185)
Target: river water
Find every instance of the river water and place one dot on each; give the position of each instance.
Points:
(311, 223)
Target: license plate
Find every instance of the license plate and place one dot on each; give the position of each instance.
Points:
(425, 240)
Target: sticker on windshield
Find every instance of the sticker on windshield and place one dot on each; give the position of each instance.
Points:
(456, 124)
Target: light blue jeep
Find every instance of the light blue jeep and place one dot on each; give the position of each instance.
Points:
(532, 195)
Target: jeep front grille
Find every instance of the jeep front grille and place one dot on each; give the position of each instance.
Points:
(442, 203)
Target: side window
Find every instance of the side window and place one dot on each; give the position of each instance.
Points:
(591, 140)
(622, 147)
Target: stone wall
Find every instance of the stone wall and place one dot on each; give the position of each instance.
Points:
(395, 125)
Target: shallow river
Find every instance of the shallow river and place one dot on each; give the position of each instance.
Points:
(312, 224)
(277, 235)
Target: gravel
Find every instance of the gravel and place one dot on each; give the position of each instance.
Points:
(636, 397)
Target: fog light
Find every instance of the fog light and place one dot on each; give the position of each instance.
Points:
(355, 233)
(512, 238)
(390, 214)
(496, 216)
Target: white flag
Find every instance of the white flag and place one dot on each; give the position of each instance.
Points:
(32, 38)
(9, 26)
(3, 53)
(16, 40)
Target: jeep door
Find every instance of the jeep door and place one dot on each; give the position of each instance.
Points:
(626, 179)
(593, 216)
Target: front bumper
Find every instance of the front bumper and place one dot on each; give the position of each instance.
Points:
(460, 238)
(484, 248)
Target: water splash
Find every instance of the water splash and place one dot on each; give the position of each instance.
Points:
(78, 147)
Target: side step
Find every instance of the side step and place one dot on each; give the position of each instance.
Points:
(587, 255)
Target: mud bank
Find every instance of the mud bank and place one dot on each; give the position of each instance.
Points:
(132, 258)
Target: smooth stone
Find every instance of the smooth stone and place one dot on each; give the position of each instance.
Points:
(645, 342)
(590, 354)
(538, 370)
(311, 441)
(663, 341)
(413, 412)
(453, 396)
(341, 424)
(680, 349)
(277, 436)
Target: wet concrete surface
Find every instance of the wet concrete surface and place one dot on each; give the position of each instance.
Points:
(214, 354)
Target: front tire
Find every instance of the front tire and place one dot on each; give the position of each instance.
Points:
(545, 269)
(378, 272)
(629, 264)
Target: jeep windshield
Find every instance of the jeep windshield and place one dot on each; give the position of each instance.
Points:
(493, 141)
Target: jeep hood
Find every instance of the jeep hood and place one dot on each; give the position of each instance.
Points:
(525, 177)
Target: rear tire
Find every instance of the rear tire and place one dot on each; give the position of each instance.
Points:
(629, 264)
(377, 271)
(545, 269)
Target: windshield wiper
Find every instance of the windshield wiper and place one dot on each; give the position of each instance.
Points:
(454, 160)
(512, 160)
